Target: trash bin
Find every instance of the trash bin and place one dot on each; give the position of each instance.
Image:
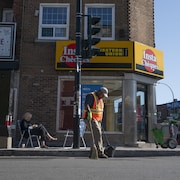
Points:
(5, 137)
(158, 136)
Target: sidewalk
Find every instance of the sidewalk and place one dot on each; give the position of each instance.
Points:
(84, 152)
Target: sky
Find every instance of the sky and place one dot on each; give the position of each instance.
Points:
(167, 39)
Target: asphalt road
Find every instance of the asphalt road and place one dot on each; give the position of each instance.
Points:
(53, 168)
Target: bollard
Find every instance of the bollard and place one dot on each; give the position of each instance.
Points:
(7, 120)
(8, 124)
(9, 142)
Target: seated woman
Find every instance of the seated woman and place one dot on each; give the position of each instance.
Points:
(35, 129)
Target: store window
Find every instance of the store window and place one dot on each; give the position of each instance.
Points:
(141, 112)
(118, 113)
(54, 21)
(112, 121)
(107, 23)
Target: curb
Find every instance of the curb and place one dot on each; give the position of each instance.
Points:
(61, 152)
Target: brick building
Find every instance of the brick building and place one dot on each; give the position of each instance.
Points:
(41, 80)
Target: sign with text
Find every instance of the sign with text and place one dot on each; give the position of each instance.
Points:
(148, 60)
(113, 55)
(7, 41)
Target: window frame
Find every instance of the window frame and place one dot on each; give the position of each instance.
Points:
(41, 6)
(113, 18)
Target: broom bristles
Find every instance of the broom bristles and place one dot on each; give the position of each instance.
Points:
(93, 152)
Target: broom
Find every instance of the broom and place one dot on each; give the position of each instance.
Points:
(93, 150)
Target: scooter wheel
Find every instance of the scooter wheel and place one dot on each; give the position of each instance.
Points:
(172, 143)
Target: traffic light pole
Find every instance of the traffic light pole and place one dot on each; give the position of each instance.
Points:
(77, 94)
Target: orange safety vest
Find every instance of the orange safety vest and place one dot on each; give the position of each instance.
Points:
(97, 109)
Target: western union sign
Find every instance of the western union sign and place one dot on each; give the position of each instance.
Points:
(114, 55)
(114, 52)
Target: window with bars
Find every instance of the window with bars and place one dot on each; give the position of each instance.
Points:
(54, 21)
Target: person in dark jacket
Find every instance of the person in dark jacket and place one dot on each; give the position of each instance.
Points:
(36, 129)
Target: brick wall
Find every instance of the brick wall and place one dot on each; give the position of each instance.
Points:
(141, 21)
(38, 95)
(18, 8)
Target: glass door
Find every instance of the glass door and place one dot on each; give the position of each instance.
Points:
(141, 109)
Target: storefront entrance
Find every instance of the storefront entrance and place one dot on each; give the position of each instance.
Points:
(121, 123)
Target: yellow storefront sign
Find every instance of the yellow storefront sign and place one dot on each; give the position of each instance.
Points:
(114, 55)
(148, 60)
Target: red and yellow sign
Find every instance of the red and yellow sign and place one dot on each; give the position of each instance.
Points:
(148, 60)
(114, 55)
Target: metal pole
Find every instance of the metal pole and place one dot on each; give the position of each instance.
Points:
(77, 95)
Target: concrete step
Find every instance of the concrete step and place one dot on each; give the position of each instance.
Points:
(142, 144)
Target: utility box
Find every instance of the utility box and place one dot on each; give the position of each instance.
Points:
(5, 138)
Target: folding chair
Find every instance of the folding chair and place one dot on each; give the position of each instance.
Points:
(29, 138)
(69, 133)
(82, 129)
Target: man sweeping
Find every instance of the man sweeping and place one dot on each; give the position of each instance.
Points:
(93, 115)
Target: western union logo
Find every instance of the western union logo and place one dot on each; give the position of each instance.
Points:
(113, 52)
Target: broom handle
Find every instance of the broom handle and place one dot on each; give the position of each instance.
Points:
(92, 134)
(90, 125)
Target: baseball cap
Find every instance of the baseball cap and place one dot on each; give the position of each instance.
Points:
(104, 90)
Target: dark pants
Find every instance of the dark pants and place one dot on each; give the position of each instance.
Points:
(97, 132)
(40, 131)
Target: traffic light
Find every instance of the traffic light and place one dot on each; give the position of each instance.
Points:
(88, 50)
